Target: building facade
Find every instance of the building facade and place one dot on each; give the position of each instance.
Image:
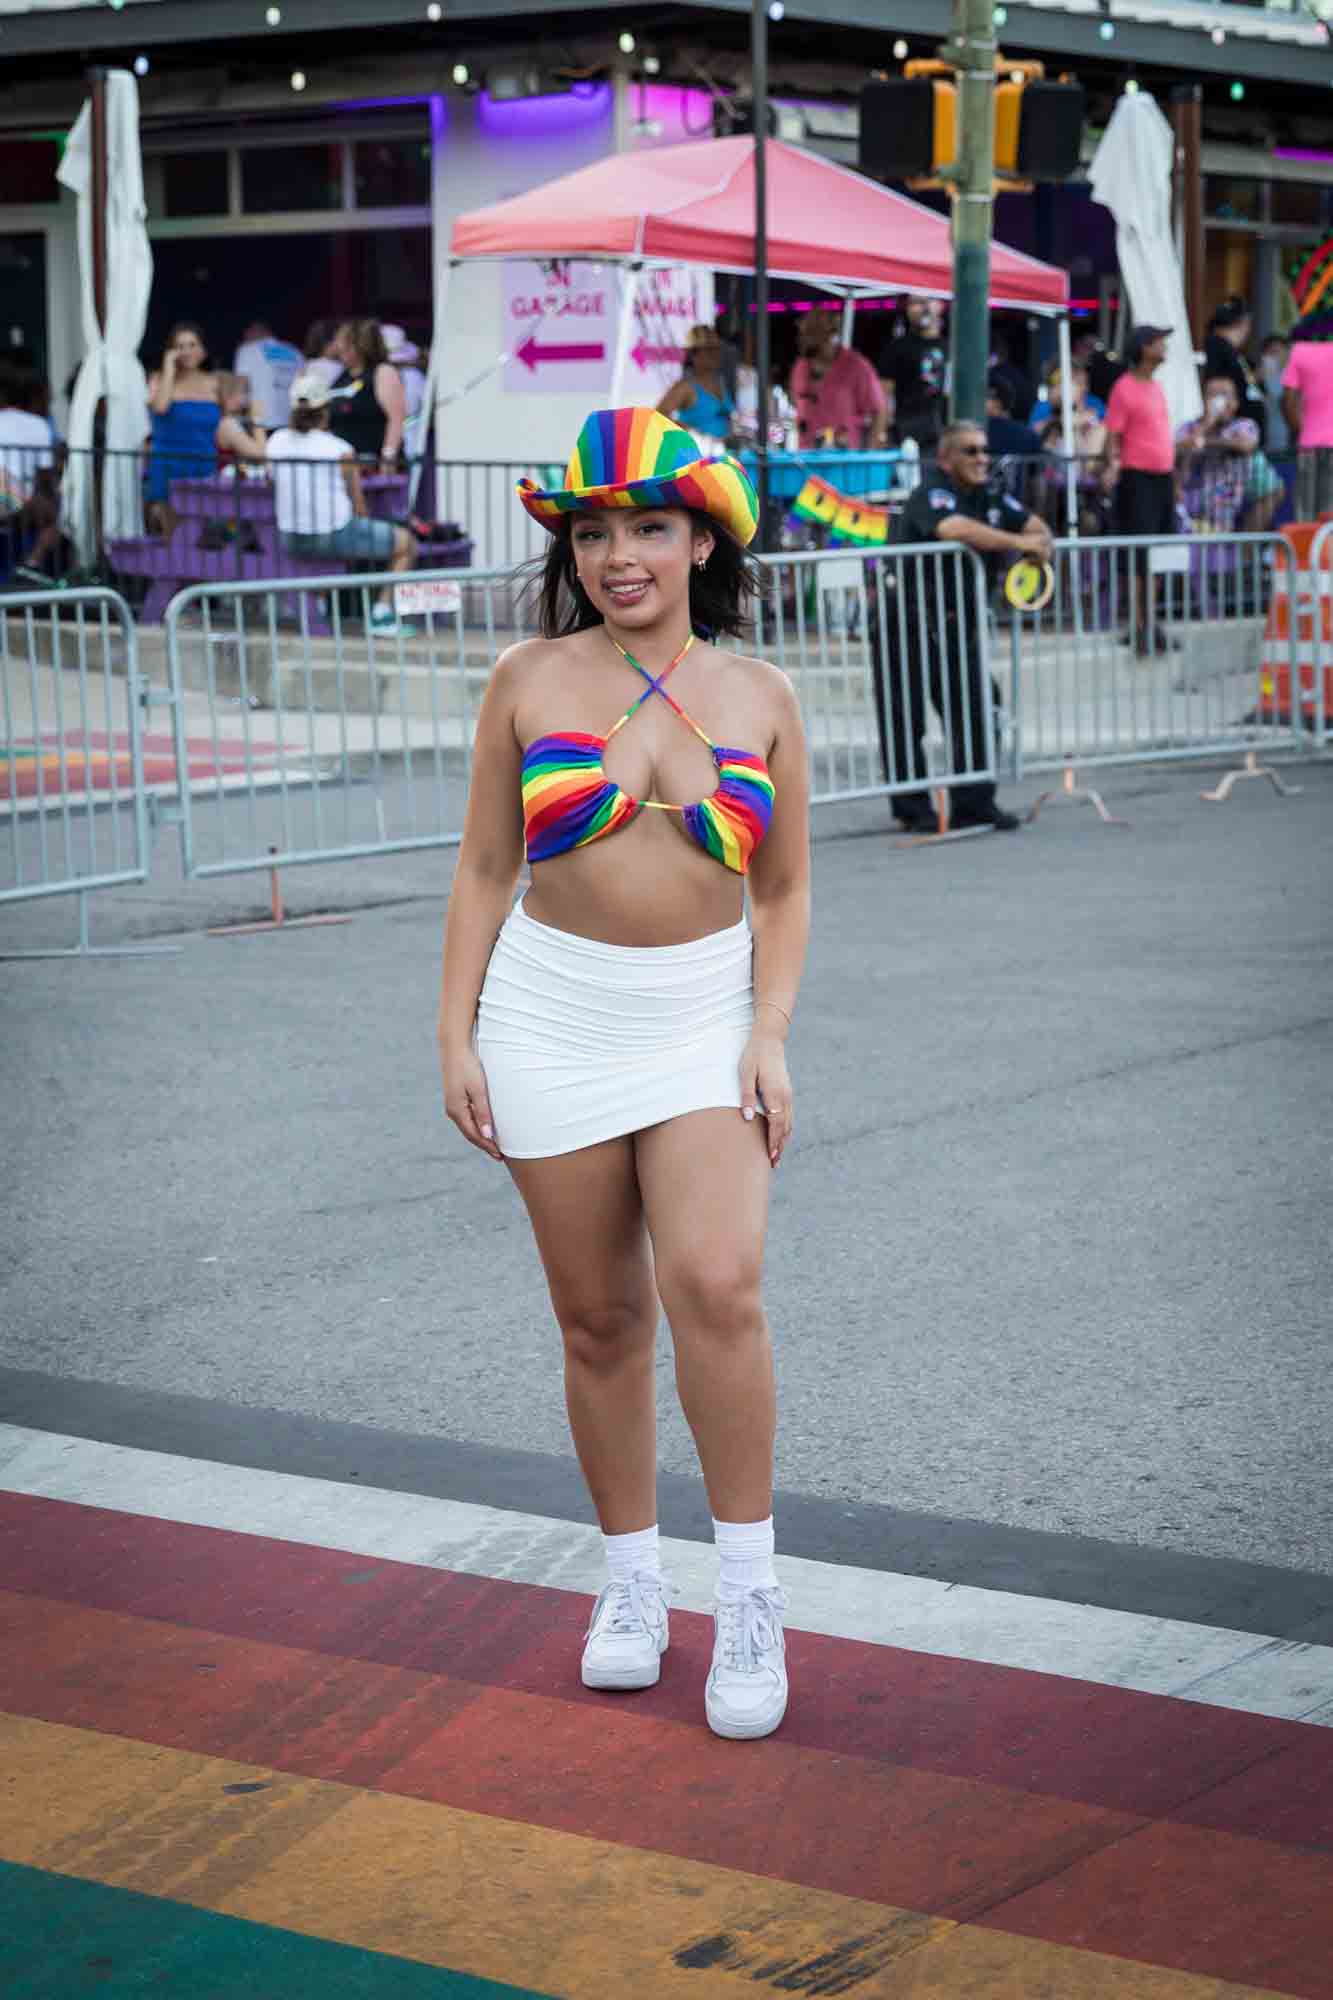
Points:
(300, 156)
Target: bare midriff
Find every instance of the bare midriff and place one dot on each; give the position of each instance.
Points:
(647, 885)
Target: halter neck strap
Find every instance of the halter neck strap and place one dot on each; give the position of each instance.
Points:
(655, 687)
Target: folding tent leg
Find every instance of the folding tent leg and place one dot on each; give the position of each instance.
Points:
(625, 336)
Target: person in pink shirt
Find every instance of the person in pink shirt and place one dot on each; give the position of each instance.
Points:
(1307, 405)
(1140, 469)
(838, 396)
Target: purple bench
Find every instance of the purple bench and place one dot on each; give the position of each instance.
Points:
(227, 533)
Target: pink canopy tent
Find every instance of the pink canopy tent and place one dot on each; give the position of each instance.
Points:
(694, 204)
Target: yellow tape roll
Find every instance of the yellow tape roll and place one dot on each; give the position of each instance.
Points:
(1029, 585)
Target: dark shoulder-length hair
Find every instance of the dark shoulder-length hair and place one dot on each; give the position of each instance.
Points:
(721, 593)
(192, 326)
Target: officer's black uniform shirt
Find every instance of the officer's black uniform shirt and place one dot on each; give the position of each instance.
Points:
(933, 501)
(937, 497)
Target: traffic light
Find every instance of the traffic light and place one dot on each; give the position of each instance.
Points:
(909, 124)
(1038, 123)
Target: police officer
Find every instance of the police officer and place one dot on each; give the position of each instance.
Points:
(934, 641)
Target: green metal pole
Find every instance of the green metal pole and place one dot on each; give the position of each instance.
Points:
(972, 51)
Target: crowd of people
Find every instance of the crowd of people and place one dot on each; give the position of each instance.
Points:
(350, 401)
(1230, 470)
(1261, 451)
(318, 417)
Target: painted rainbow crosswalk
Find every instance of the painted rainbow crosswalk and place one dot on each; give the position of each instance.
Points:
(238, 1762)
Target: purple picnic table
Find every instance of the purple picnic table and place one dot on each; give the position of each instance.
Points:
(227, 533)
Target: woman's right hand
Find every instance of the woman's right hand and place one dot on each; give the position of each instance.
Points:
(467, 1100)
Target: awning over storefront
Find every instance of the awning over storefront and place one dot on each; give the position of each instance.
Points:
(695, 205)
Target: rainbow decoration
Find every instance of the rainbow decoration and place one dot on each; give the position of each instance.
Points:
(1312, 287)
(639, 458)
(847, 520)
(568, 800)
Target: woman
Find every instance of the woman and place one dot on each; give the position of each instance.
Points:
(1212, 460)
(1229, 332)
(628, 1064)
(320, 348)
(237, 436)
(183, 402)
(1087, 410)
(318, 502)
(704, 399)
(369, 402)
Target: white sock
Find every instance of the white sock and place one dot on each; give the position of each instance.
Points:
(626, 1554)
(745, 1551)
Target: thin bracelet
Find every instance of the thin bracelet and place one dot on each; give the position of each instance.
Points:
(781, 1010)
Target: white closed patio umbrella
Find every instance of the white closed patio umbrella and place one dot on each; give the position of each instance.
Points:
(1131, 175)
(111, 369)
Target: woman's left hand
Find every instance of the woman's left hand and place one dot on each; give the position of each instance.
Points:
(766, 1090)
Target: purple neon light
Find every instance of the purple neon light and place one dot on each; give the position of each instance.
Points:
(544, 117)
(1300, 153)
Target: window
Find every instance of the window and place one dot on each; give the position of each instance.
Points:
(392, 173)
(1226, 198)
(1302, 202)
(279, 178)
(28, 169)
(194, 183)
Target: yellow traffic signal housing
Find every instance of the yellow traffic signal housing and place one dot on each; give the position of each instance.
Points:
(909, 125)
(944, 118)
(1008, 123)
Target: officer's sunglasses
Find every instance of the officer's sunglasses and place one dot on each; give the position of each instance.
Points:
(972, 450)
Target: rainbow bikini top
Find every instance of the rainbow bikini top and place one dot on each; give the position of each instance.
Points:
(568, 800)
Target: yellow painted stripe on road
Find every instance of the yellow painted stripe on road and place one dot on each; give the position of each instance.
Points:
(568, 1916)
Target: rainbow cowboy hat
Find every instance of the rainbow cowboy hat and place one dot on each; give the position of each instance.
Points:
(639, 458)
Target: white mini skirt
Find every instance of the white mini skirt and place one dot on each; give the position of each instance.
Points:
(583, 1041)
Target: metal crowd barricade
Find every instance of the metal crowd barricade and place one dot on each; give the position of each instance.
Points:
(73, 803)
(890, 657)
(478, 495)
(303, 734)
(1147, 650)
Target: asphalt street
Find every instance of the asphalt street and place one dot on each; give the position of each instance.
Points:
(1050, 1249)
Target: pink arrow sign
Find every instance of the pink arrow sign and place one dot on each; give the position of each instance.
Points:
(644, 355)
(532, 354)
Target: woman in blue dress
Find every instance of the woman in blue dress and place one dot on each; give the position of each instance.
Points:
(704, 399)
(183, 401)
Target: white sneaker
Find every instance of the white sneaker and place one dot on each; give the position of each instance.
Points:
(746, 1693)
(386, 624)
(628, 1633)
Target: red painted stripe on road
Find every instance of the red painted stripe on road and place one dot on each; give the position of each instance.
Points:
(1194, 1901)
(1191, 1898)
(1114, 1748)
(859, 1827)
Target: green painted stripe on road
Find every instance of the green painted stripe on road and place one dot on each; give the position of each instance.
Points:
(61, 1937)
